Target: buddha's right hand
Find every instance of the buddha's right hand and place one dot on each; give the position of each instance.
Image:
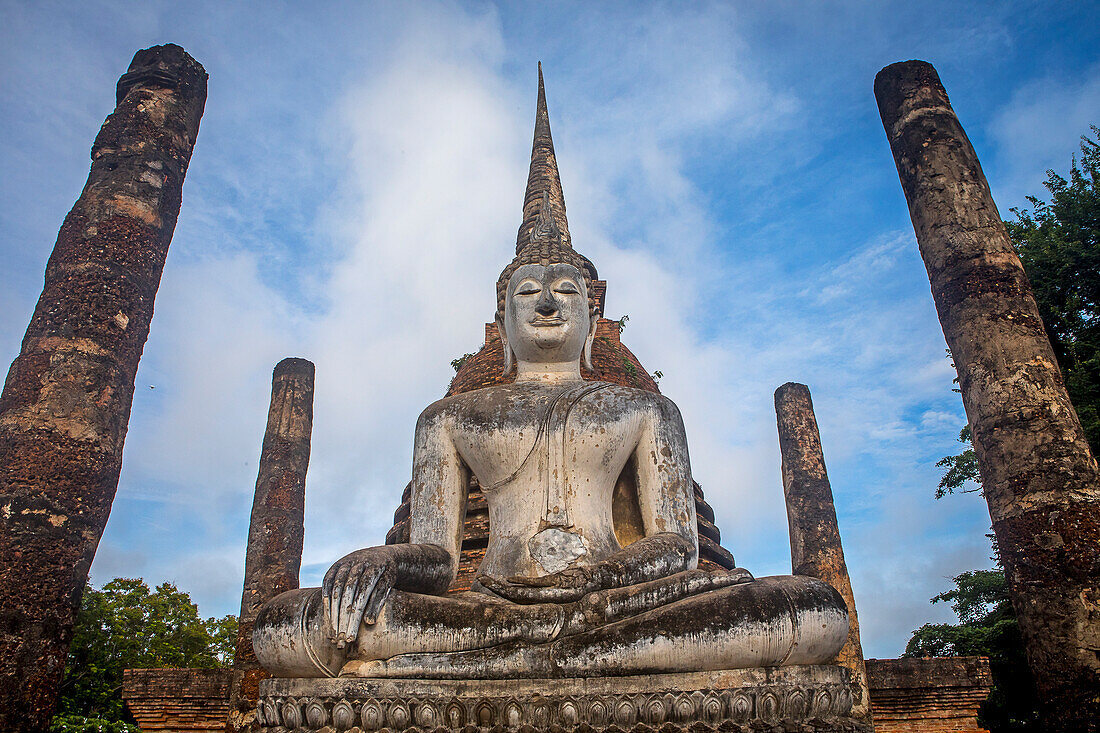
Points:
(357, 585)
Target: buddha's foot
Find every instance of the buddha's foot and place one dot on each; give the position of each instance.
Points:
(364, 668)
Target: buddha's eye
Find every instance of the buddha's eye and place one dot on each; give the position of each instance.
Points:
(527, 287)
(566, 286)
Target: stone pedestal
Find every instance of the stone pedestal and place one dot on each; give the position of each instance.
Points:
(793, 698)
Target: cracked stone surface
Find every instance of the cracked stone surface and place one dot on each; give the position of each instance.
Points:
(811, 515)
(66, 402)
(1039, 477)
(275, 533)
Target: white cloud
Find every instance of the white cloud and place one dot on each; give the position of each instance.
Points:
(353, 203)
(1040, 129)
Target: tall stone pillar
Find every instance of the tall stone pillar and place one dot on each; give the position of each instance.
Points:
(66, 402)
(1039, 477)
(274, 554)
(815, 537)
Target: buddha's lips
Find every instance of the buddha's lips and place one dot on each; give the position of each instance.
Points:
(548, 322)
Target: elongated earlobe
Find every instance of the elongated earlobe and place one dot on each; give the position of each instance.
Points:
(508, 356)
(587, 362)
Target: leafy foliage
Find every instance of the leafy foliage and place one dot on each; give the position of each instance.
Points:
(961, 471)
(81, 724)
(456, 364)
(980, 596)
(988, 628)
(127, 626)
(1059, 244)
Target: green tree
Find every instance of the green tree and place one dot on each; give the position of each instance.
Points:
(960, 471)
(1059, 244)
(987, 627)
(125, 625)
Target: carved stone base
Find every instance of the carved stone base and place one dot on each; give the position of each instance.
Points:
(808, 698)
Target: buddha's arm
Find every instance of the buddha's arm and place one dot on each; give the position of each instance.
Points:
(439, 486)
(357, 585)
(663, 479)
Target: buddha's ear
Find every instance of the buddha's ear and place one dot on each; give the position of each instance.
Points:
(508, 356)
(587, 361)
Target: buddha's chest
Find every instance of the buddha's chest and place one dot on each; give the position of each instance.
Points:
(561, 447)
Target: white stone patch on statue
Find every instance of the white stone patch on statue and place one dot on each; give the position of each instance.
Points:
(556, 549)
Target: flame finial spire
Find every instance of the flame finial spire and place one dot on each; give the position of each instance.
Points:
(543, 237)
(543, 182)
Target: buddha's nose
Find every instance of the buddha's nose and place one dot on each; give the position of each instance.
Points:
(547, 305)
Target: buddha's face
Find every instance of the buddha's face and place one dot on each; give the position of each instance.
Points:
(546, 318)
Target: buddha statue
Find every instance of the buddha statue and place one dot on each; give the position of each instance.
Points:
(560, 593)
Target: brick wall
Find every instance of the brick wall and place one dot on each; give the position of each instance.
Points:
(933, 695)
(177, 700)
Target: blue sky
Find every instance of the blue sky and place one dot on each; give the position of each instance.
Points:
(356, 188)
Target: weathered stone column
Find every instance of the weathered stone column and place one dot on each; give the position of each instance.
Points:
(66, 402)
(274, 554)
(1039, 477)
(815, 537)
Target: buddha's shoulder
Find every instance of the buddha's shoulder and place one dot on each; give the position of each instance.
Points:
(481, 400)
(641, 399)
(509, 396)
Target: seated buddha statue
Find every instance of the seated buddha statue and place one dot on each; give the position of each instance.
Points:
(557, 594)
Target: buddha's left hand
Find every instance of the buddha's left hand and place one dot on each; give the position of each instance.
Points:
(564, 586)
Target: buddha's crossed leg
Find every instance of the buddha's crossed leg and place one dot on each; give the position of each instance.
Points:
(689, 621)
(773, 621)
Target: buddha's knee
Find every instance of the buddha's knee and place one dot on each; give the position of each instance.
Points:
(818, 617)
(289, 639)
